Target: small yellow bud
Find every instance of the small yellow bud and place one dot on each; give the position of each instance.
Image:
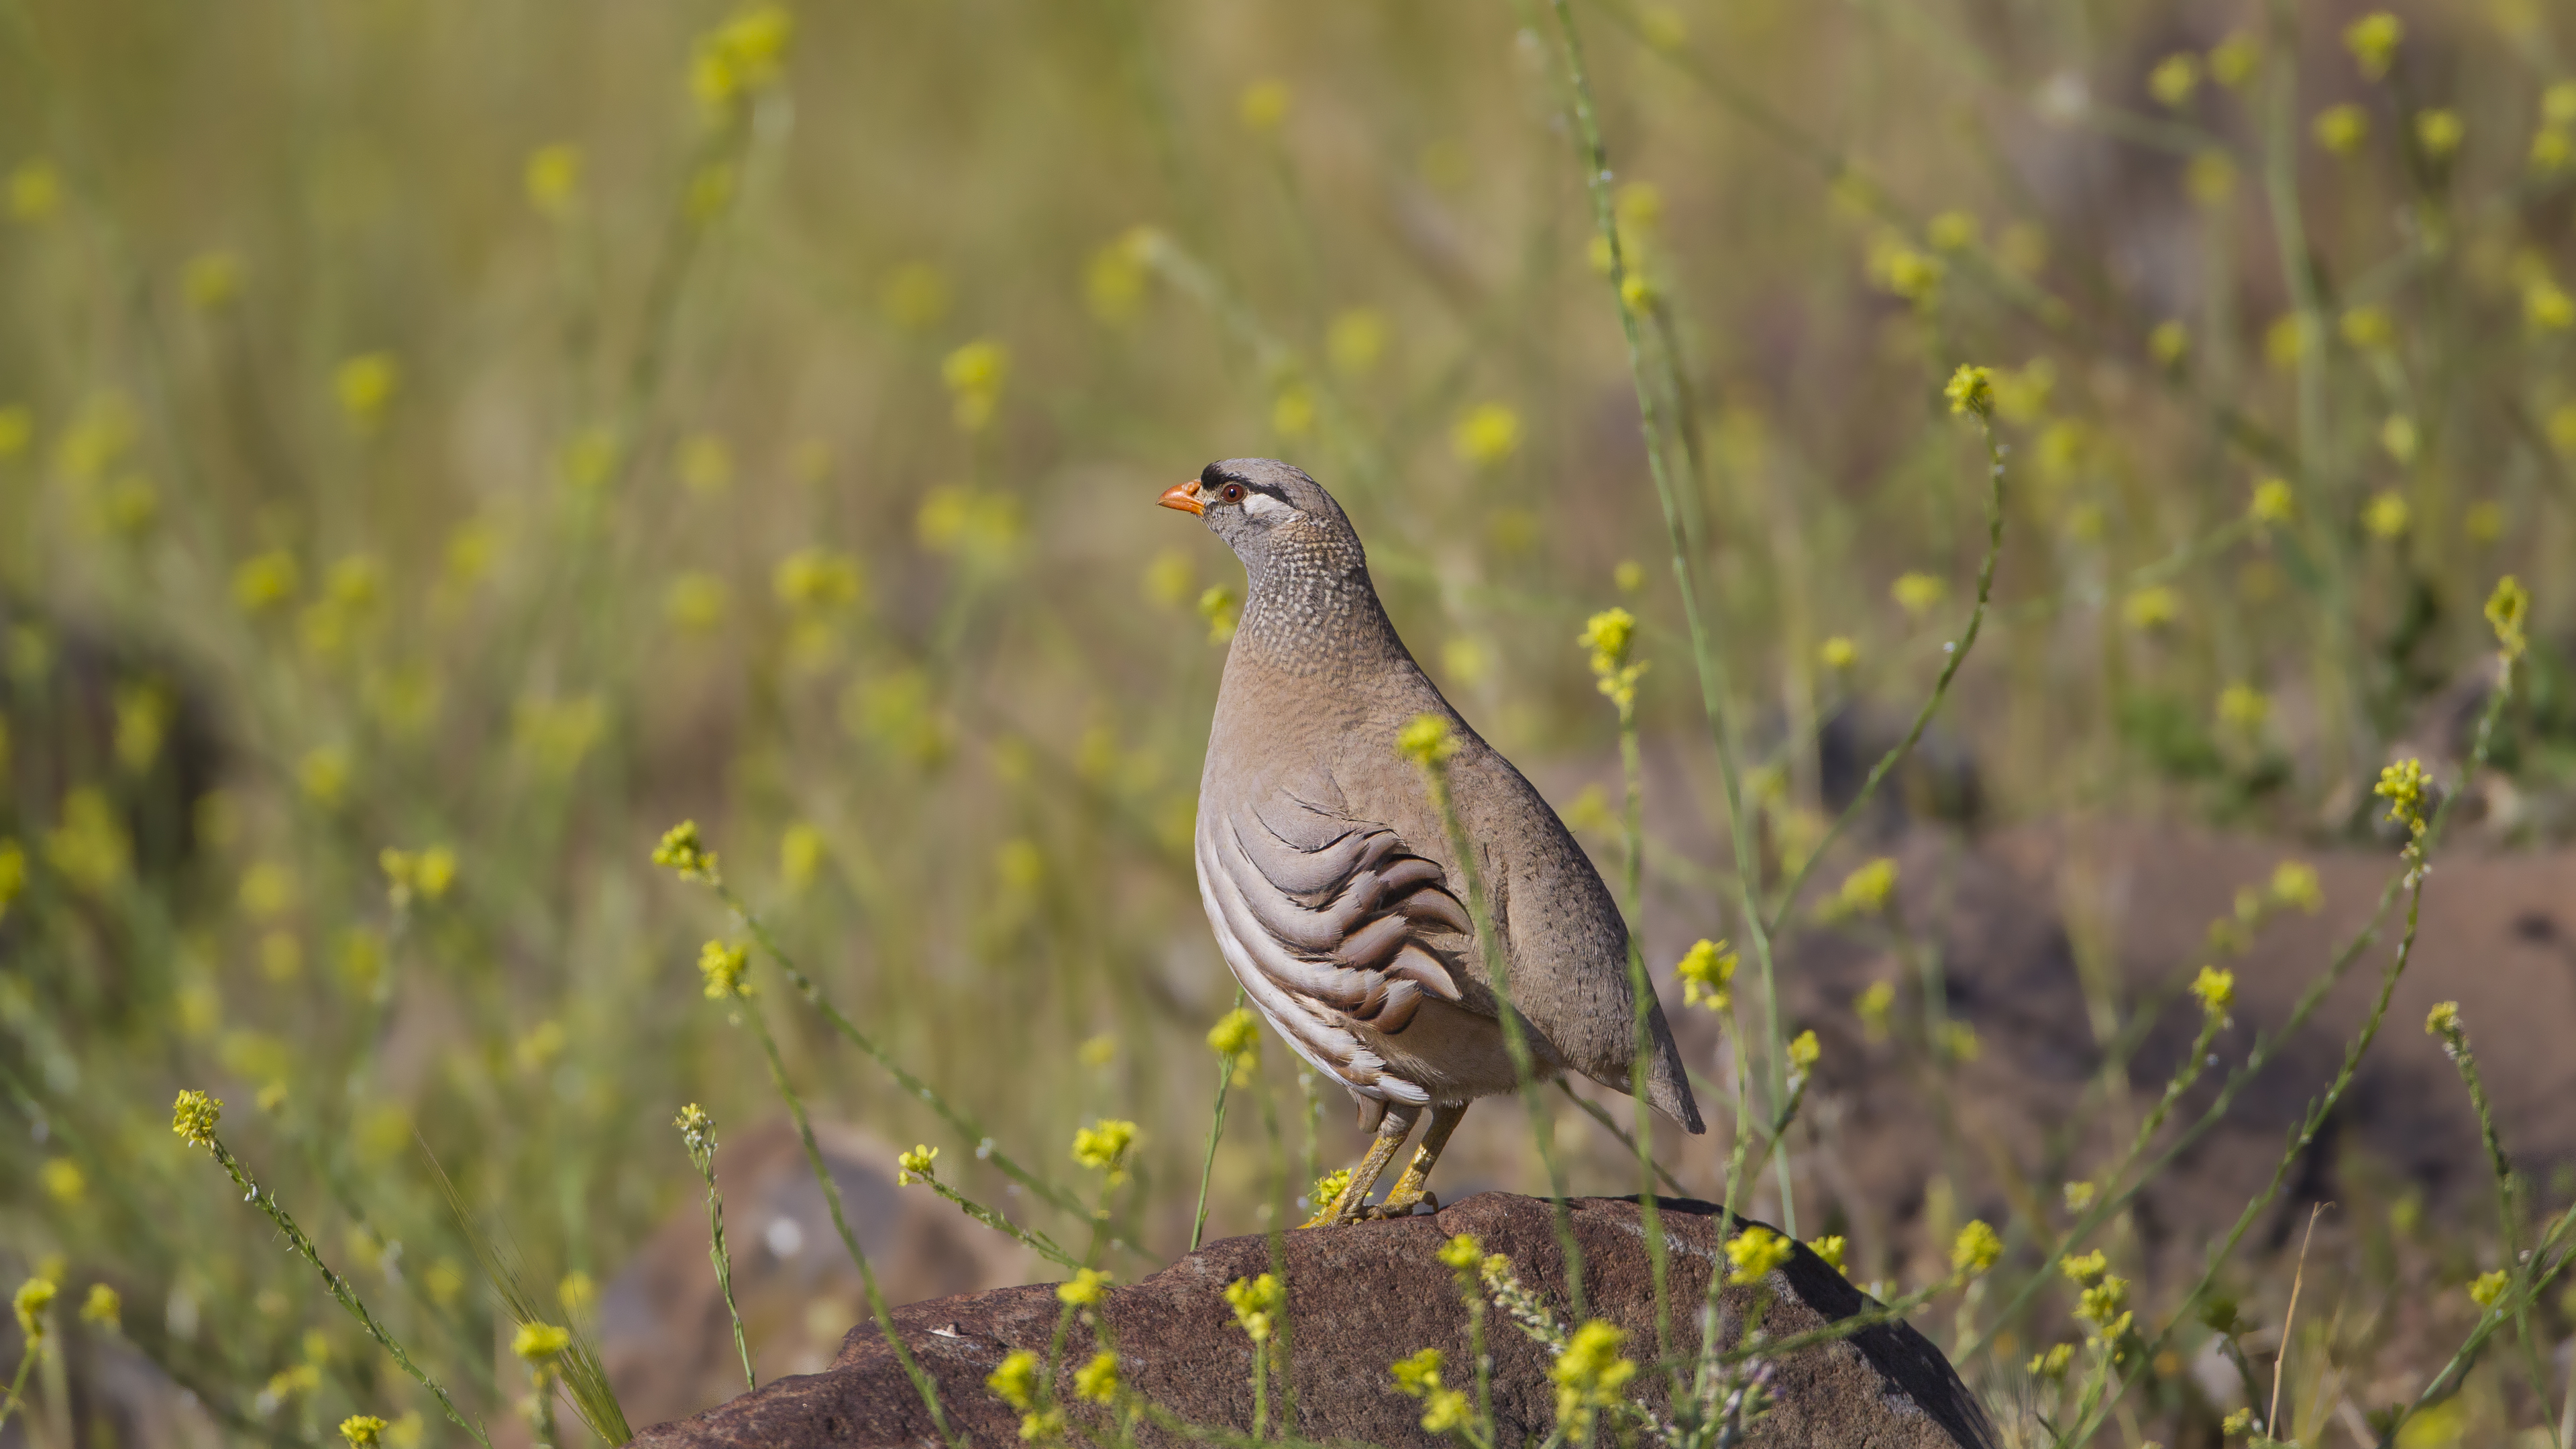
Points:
(1486, 435)
(1086, 1287)
(1971, 390)
(1263, 106)
(2439, 132)
(2507, 609)
(2341, 129)
(1103, 1146)
(724, 968)
(193, 1116)
(1754, 1253)
(2488, 1288)
(2174, 79)
(2373, 42)
(1976, 1249)
(1016, 1379)
(539, 1344)
(1425, 740)
(1098, 1379)
(1830, 1248)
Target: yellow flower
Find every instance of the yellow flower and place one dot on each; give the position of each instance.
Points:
(2273, 502)
(193, 1116)
(974, 374)
(1256, 1303)
(1462, 1254)
(816, 579)
(1754, 1253)
(1237, 1041)
(1355, 341)
(1975, 1249)
(1838, 652)
(552, 176)
(2243, 707)
(1707, 972)
(2443, 1020)
(1103, 1146)
(2079, 1196)
(2169, 342)
(1904, 272)
(1591, 1373)
(1959, 1041)
(2104, 1302)
(2216, 990)
(2368, 329)
(2210, 178)
(681, 851)
(1222, 611)
(1292, 413)
(2053, 1363)
(740, 58)
(1804, 1053)
(32, 1299)
(2488, 1287)
(362, 1430)
(2174, 79)
(1328, 1189)
(2151, 608)
(2507, 609)
(1417, 1375)
(1918, 593)
(35, 192)
(64, 1181)
(2232, 61)
(2552, 150)
(1087, 1287)
(2388, 515)
(324, 775)
(104, 1307)
(1425, 740)
(1830, 1248)
(1865, 892)
(1263, 106)
(1663, 28)
(1971, 390)
(2547, 307)
(1015, 1379)
(723, 967)
(915, 1166)
(2295, 883)
(1044, 1427)
(2373, 42)
(2439, 132)
(1486, 435)
(2403, 786)
(365, 384)
(695, 602)
(265, 582)
(1873, 1006)
(2341, 129)
(539, 1344)
(697, 1132)
(1098, 1379)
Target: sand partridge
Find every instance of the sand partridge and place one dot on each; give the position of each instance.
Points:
(1326, 868)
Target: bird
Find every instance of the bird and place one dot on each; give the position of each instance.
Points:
(1326, 869)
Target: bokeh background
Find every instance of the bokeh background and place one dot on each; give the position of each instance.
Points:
(491, 433)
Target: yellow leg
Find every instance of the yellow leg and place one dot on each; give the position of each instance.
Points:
(1408, 1189)
(1391, 1132)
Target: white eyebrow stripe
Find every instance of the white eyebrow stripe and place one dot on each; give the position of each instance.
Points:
(1262, 505)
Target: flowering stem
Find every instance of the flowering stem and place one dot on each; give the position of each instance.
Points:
(1498, 972)
(921, 1381)
(1037, 1242)
(18, 1383)
(964, 1125)
(723, 1260)
(1940, 687)
(1216, 1129)
(340, 1289)
(1641, 998)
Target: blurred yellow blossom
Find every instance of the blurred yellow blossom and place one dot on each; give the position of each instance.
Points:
(211, 280)
(1865, 892)
(104, 1307)
(2154, 607)
(540, 1344)
(2079, 1196)
(2232, 61)
(1873, 1006)
(2168, 342)
(800, 855)
(1591, 1374)
(2295, 883)
(64, 1181)
(1263, 106)
(324, 776)
(1103, 1146)
(1168, 578)
(2488, 1288)
(1292, 412)
(2210, 178)
(13, 872)
(1486, 435)
(1113, 283)
(1838, 653)
(740, 58)
(1237, 1042)
(552, 176)
(1222, 611)
(2373, 42)
(2273, 502)
(1256, 1303)
(2243, 707)
(1754, 1253)
(365, 385)
(695, 601)
(2388, 515)
(556, 735)
(1085, 1288)
(91, 849)
(2284, 342)
(266, 581)
(2439, 132)
(2216, 990)
(2483, 521)
(2341, 129)
(974, 375)
(1976, 1249)
(362, 1431)
(1355, 341)
(35, 192)
(1919, 593)
(2368, 329)
(1015, 1379)
(2174, 79)
(816, 579)
(1097, 1380)
(724, 968)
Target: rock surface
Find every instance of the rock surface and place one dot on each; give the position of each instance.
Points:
(1360, 1297)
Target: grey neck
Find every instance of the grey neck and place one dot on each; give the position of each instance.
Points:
(1311, 608)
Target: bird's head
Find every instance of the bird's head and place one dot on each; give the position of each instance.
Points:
(1265, 509)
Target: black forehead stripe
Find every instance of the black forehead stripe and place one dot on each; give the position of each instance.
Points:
(1216, 473)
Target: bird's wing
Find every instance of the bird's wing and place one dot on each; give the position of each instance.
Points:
(1331, 910)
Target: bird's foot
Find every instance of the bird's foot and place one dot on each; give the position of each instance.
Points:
(1395, 1207)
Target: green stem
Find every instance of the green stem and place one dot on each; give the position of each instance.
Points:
(921, 1381)
(18, 1384)
(723, 1260)
(340, 1289)
(1216, 1129)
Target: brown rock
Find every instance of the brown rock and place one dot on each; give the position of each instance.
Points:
(1360, 1297)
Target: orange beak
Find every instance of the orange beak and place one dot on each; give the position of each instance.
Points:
(1183, 496)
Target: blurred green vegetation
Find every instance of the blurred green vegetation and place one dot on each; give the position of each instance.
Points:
(443, 444)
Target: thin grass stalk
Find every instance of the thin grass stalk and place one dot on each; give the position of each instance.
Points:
(1641, 997)
(1957, 656)
(2531, 1278)
(921, 1381)
(18, 1381)
(2508, 1216)
(1216, 1130)
(2418, 861)
(699, 1134)
(346, 1296)
(965, 1126)
(1714, 688)
(1498, 971)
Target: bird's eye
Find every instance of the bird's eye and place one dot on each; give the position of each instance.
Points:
(1232, 493)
